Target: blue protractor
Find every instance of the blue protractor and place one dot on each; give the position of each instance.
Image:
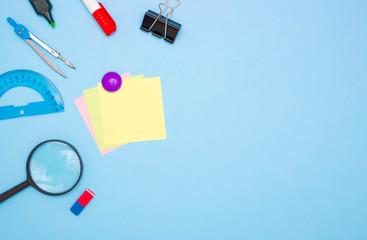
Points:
(25, 78)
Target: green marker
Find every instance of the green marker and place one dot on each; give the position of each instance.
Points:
(43, 7)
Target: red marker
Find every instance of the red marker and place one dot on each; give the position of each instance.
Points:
(101, 15)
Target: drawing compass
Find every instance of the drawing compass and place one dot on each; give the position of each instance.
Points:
(27, 36)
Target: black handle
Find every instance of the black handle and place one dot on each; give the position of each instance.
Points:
(14, 190)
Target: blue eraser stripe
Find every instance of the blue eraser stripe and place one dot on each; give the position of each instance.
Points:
(76, 208)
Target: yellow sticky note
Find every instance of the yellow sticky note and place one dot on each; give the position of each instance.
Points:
(134, 113)
(92, 99)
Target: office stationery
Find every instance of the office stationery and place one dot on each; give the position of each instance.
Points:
(101, 15)
(83, 110)
(27, 36)
(111, 81)
(160, 26)
(134, 113)
(93, 103)
(43, 8)
(82, 202)
(93, 113)
(54, 167)
(25, 78)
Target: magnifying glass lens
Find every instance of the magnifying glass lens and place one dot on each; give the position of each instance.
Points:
(54, 167)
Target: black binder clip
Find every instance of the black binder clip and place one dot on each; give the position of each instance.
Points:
(160, 26)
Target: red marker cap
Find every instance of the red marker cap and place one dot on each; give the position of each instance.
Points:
(101, 15)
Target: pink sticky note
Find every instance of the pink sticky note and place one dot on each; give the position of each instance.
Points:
(83, 109)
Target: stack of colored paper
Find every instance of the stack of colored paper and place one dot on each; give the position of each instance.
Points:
(134, 113)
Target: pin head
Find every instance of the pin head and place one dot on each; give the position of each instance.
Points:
(111, 81)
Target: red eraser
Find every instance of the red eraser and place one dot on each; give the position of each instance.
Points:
(86, 197)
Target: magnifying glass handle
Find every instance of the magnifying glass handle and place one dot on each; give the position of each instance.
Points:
(13, 191)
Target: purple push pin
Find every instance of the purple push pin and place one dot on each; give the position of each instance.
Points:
(111, 81)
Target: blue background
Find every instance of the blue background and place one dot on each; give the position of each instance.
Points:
(265, 106)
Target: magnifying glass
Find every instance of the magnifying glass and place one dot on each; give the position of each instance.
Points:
(54, 167)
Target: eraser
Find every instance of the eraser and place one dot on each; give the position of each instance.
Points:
(83, 200)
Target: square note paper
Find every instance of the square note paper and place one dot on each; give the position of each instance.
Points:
(134, 113)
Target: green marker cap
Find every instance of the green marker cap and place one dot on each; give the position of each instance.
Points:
(43, 7)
